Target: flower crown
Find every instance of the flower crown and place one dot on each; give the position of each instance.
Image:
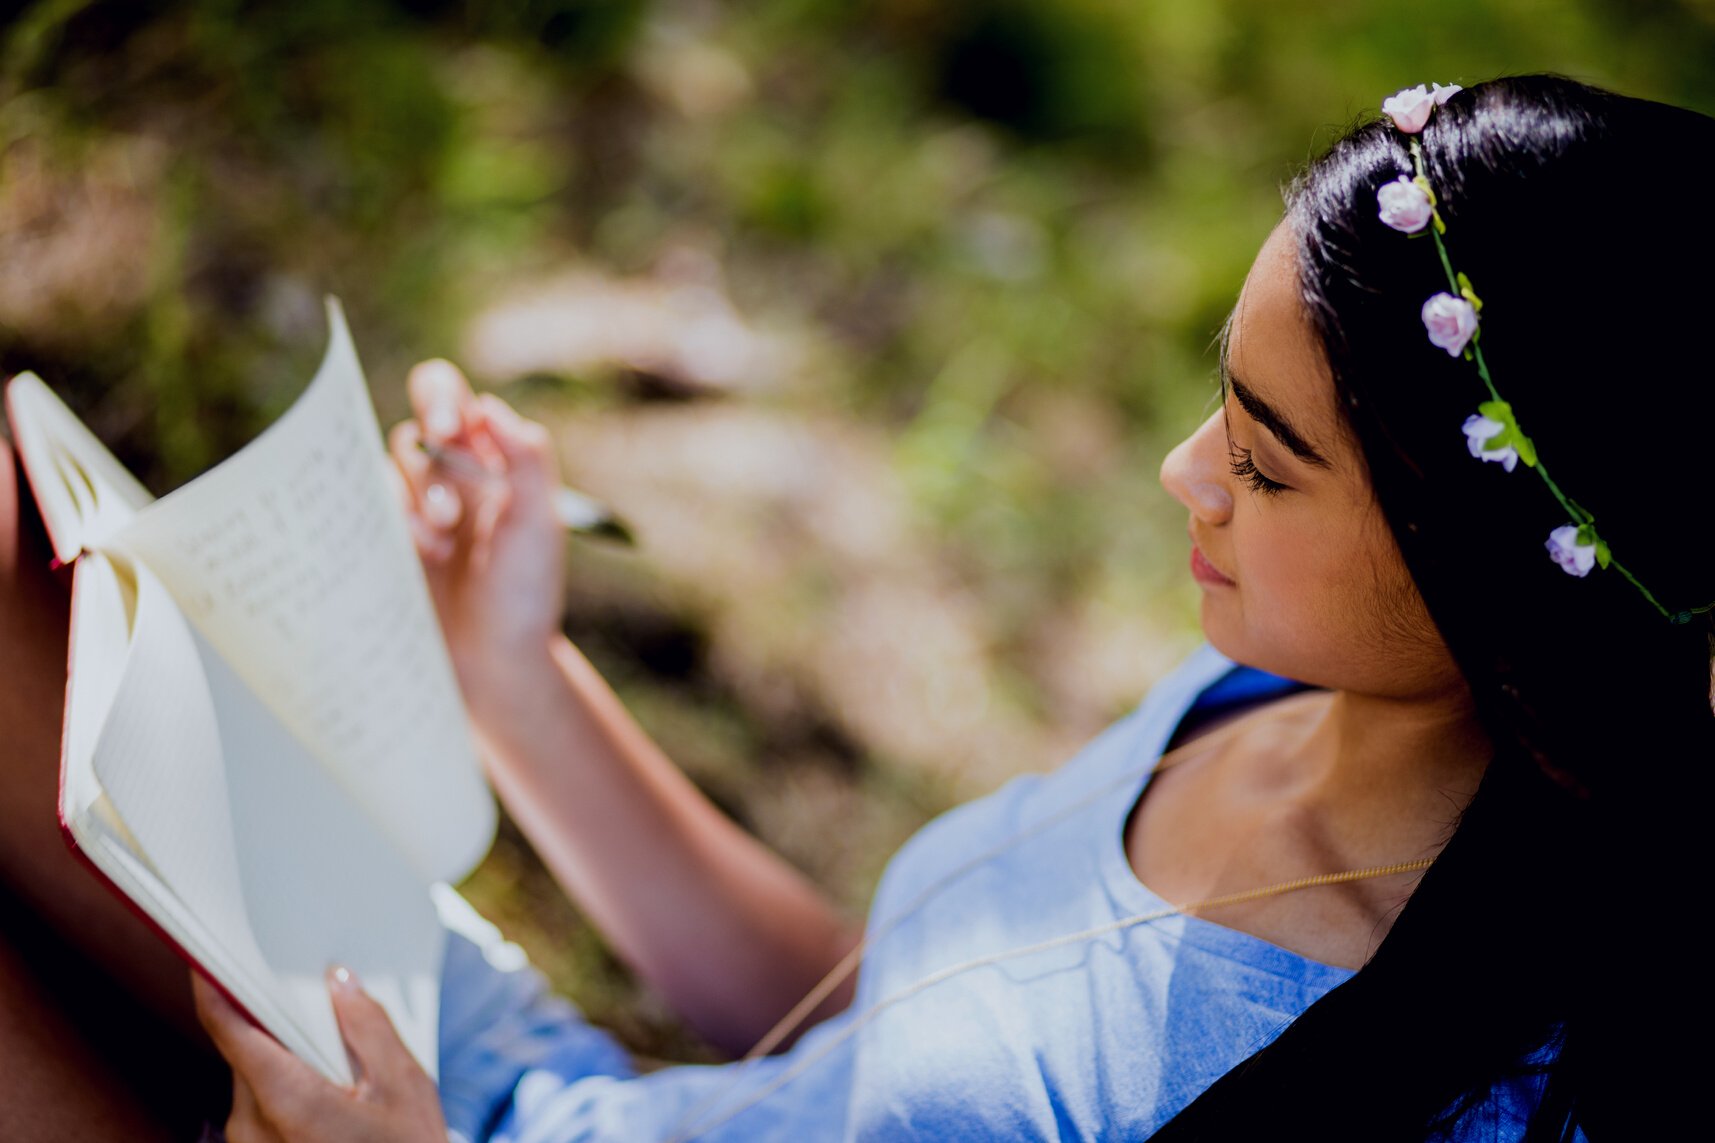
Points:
(1492, 432)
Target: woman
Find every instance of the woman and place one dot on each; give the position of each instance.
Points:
(1422, 684)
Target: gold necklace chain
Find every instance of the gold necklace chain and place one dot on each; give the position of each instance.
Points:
(941, 975)
(849, 963)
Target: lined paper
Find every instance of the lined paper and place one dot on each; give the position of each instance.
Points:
(293, 560)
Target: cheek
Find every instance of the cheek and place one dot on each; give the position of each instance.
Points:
(1279, 550)
(1324, 597)
(1297, 569)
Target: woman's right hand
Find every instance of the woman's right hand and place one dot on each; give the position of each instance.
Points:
(492, 548)
(619, 826)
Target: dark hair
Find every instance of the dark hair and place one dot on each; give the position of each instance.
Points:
(1542, 941)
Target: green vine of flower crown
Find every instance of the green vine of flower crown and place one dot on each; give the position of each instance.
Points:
(1492, 433)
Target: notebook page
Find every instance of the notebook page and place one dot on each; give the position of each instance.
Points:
(321, 884)
(81, 490)
(101, 606)
(268, 857)
(293, 559)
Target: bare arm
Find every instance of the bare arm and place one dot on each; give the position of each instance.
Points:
(730, 933)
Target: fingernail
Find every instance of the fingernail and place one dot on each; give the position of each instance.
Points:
(440, 505)
(442, 422)
(343, 978)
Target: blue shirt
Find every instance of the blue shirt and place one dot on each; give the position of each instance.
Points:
(1101, 1037)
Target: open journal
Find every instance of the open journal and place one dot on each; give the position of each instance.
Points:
(264, 747)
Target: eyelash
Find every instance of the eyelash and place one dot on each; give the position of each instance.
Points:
(1244, 467)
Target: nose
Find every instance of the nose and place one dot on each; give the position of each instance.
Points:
(1196, 472)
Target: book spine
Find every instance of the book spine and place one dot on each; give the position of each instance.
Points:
(69, 836)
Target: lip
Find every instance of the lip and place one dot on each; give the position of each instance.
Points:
(1205, 572)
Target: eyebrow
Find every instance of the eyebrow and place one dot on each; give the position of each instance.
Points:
(1270, 418)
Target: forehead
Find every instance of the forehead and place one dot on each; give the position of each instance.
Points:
(1274, 351)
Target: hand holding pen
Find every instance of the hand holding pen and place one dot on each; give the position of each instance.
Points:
(488, 514)
(579, 512)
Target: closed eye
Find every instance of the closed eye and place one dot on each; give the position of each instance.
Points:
(1245, 468)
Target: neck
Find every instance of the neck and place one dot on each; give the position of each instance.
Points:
(1371, 774)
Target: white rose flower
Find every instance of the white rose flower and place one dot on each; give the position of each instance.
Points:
(1409, 108)
(1478, 429)
(1404, 206)
(1450, 321)
(1574, 558)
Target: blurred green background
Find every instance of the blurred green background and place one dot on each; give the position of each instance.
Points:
(876, 319)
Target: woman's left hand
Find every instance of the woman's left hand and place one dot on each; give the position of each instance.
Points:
(278, 1098)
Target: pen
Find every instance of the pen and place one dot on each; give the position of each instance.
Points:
(580, 513)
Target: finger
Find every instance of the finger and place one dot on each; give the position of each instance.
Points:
(486, 521)
(440, 395)
(239, 1041)
(244, 1106)
(434, 547)
(433, 497)
(280, 1081)
(443, 507)
(385, 1064)
(404, 445)
(525, 446)
(408, 475)
(247, 1124)
(401, 487)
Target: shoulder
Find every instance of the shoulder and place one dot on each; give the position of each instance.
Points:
(1131, 741)
(1099, 770)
